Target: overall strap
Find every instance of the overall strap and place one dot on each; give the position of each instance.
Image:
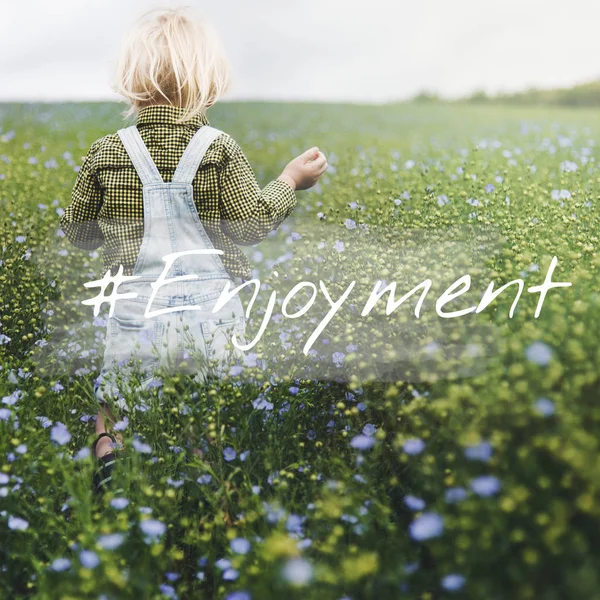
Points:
(139, 155)
(194, 153)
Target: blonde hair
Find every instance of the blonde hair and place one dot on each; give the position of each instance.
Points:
(171, 56)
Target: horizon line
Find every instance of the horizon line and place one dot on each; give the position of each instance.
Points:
(365, 102)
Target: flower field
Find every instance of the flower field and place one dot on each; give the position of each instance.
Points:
(356, 452)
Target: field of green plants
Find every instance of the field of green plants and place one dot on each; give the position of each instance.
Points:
(399, 455)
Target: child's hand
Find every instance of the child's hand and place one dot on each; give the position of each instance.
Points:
(304, 171)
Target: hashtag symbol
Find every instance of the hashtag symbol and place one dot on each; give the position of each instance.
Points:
(103, 283)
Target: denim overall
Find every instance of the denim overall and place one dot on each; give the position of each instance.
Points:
(184, 340)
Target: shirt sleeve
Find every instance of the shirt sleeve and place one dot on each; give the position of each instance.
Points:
(248, 213)
(80, 219)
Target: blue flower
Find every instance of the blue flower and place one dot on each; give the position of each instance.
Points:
(45, 422)
(350, 224)
(297, 571)
(426, 526)
(153, 527)
(223, 563)
(414, 503)
(167, 590)
(60, 434)
(482, 451)
(274, 513)
(231, 574)
(60, 564)
(294, 523)
(261, 403)
(141, 447)
(250, 359)
(486, 485)
(455, 494)
(229, 454)
(82, 454)
(339, 246)
(539, 353)
(241, 595)
(489, 188)
(240, 545)
(453, 582)
(121, 425)
(119, 503)
(110, 541)
(568, 166)
(89, 559)
(413, 446)
(338, 358)
(176, 483)
(204, 478)
(154, 383)
(13, 398)
(362, 442)
(369, 429)
(17, 524)
(544, 406)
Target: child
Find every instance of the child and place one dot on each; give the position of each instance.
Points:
(141, 197)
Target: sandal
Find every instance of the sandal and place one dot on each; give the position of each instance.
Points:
(103, 474)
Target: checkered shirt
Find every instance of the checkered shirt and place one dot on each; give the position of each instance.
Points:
(107, 206)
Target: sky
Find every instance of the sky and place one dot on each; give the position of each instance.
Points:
(319, 50)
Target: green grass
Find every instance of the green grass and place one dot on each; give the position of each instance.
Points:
(501, 489)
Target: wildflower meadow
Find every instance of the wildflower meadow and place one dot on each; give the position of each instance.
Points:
(359, 450)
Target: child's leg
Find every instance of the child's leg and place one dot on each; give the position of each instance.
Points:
(104, 444)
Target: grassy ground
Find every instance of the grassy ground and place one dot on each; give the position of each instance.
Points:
(399, 455)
